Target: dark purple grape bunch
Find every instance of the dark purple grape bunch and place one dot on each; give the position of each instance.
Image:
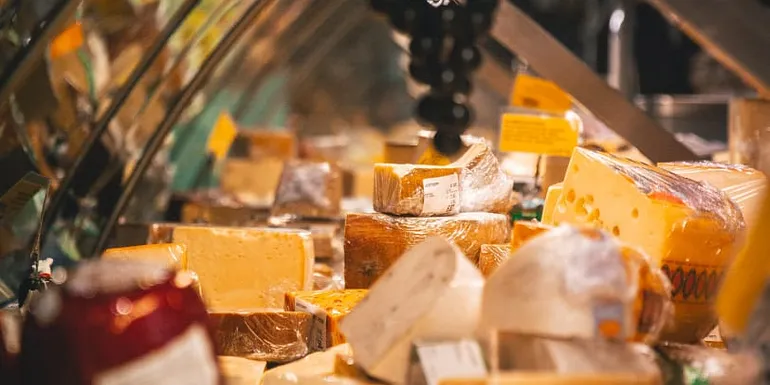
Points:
(444, 54)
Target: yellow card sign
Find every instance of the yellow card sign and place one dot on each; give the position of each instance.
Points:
(431, 156)
(540, 94)
(541, 135)
(68, 41)
(222, 136)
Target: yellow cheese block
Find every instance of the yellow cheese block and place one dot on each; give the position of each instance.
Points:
(374, 241)
(551, 199)
(485, 187)
(247, 268)
(416, 190)
(252, 181)
(328, 307)
(263, 335)
(171, 254)
(523, 231)
(240, 371)
(269, 143)
(492, 256)
(689, 229)
(744, 185)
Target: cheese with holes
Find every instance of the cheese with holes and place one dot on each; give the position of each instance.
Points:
(251, 181)
(262, 335)
(328, 307)
(416, 190)
(551, 200)
(374, 241)
(691, 230)
(247, 268)
(492, 256)
(744, 185)
(309, 189)
(240, 371)
(432, 292)
(171, 254)
(485, 187)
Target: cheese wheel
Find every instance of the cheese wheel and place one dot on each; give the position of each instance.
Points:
(416, 190)
(374, 241)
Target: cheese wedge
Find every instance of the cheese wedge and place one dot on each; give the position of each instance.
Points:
(171, 254)
(744, 185)
(240, 371)
(551, 200)
(432, 292)
(485, 187)
(247, 268)
(328, 308)
(374, 241)
(416, 190)
(691, 230)
(263, 335)
(491, 257)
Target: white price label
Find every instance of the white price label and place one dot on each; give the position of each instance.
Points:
(455, 359)
(441, 195)
(318, 332)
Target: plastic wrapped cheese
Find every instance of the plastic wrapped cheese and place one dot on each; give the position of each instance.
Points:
(485, 186)
(416, 190)
(309, 189)
(170, 254)
(744, 185)
(328, 308)
(374, 241)
(432, 292)
(492, 256)
(579, 275)
(263, 335)
(690, 229)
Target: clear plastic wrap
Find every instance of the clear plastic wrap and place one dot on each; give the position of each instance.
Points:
(263, 335)
(416, 190)
(485, 186)
(170, 254)
(374, 241)
(690, 230)
(309, 190)
(582, 275)
(693, 365)
(492, 256)
(432, 291)
(328, 307)
(744, 185)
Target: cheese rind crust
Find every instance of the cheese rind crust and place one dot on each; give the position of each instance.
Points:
(374, 241)
(399, 189)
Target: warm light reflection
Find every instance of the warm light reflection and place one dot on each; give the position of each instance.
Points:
(127, 311)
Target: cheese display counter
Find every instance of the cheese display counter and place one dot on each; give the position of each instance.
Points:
(574, 241)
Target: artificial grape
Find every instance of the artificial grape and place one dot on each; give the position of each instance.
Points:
(459, 117)
(432, 107)
(464, 56)
(406, 18)
(451, 19)
(421, 72)
(380, 6)
(451, 81)
(424, 47)
(447, 143)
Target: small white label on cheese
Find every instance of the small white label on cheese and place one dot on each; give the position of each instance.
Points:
(441, 194)
(185, 361)
(450, 360)
(318, 332)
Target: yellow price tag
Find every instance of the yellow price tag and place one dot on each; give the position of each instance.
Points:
(431, 156)
(540, 94)
(68, 41)
(535, 134)
(222, 136)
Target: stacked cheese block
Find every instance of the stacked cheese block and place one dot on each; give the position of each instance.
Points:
(465, 202)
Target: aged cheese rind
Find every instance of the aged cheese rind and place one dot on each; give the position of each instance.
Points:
(400, 189)
(551, 201)
(374, 241)
(431, 292)
(744, 185)
(241, 371)
(171, 254)
(309, 189)
(485, 186)
(492, 256)
(263, 335)
(247, 268)
(689, 229)
(330, 305)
